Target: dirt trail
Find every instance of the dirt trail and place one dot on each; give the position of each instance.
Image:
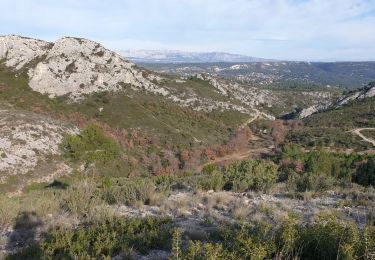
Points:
(251, 119)
(357, 131)
(240, 155)
(243, 154)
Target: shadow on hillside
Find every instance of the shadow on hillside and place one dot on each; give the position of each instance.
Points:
(58, 185)
(24, 233)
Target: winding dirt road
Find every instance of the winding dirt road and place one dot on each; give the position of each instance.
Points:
(243, 154)
(357, 131)
(251, 119)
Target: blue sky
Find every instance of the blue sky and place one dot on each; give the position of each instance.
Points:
(281, 29)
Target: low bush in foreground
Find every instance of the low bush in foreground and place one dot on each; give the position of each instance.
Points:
(325, 239)
(102, 240)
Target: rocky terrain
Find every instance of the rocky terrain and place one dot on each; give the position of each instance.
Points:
(75, 68)
(29, 144)
(72, 67)
(102, 158)
(192, 209)
(356, 95)
(19, 51)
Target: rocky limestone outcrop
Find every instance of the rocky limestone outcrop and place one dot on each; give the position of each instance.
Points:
(73, 67)
(26, 139)
(18, 51)
(76, 67)
(249, 96)
(312, 110)
(366, 92)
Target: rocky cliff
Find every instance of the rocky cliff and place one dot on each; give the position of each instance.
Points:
(365, 92)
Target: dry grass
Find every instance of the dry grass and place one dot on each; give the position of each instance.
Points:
(79, 199)
(258, 217)
(307, 196)
(9, 209)
(168, 206)
(156, 199)
(101, 212)
(240, 211)
(42, 203)
(182, 202)
(222, 200)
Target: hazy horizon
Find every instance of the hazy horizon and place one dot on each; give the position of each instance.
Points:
(302, 30)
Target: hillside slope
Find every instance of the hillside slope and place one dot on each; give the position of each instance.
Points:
(29, 148)
(162, 123)
(355, 95)
(76, 68)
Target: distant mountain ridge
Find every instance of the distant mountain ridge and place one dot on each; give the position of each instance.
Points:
(171, 56)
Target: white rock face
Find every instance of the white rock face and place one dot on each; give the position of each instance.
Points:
(26, 139)
(358, 95)
(361, 94)
(248, 95)
(18, 51)
(312, 110)
(370, 92)
(75, 67)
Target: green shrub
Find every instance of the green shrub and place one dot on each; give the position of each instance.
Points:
(249, 242)
(209, 168)
(214, 181)
(329, 239)
(176, 245)
(366, 247)
(314, 182)
(102, 240)
(199, 250)
(258, 175)
(164, 183)
(287, 238)
(365, 174)
(129, 191)
(91, 146)
(319, 170)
